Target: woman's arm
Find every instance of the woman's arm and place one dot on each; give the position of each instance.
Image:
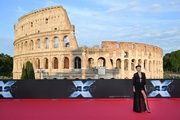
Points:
(145, 88)
(134, 90)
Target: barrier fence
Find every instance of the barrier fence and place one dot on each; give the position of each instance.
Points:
(92, 88)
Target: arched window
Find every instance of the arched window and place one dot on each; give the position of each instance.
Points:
(38, 43)
(150, 66)
(117, 45)
(32, 45)
(101, 62)
(56, 42)
(47, 43)
(18, 48)
(55, 63)
(139, 62)
(46, 21)
(125, 54)
(118, 63)
(111, 63)
(125, 64)
(90, 62)
(26, 46)
(66, 41)
(22, 47)
(133, 46)
(66, 63)
(154, 65)
(38, 64)
(31, 24)
(77, 63)
(133, 64)
(46, 63)
(145, 64)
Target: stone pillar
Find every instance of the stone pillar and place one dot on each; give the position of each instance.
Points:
(71, 65)
(83, 68)
(122, 68)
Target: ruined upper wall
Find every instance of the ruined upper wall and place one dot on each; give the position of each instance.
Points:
(48, 19)
(126, 46)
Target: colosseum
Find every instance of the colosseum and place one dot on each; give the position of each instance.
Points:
(47, 39)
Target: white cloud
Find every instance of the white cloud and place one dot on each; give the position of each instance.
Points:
(155, 8)
(125, 7)
(129, 23)
(20, 11)
(50, 3)
(175, 2)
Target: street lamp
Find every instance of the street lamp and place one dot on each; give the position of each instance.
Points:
(40, 71)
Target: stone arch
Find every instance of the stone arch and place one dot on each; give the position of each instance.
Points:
(150, 66)
(90, 62)
(101, 62)
(46, 63)
(145, 49)
(126, 64)
(66, 63)
(46, 21)
(19, 46)
(46, 43)
(145, 64)
(140, 62)
(66, 41)
(32, 44)
(22, 47)
(118, 63)
(77, 62)
(38, 43)
(26, 46)
(38, 63)
(55, 63)
(133, 46)
(126, 54)
(118, 45)
(56, 42)
(133, 63)
(153, 65)
(32, 24)
(111, 60)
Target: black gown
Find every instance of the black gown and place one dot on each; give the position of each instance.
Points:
(138, 102)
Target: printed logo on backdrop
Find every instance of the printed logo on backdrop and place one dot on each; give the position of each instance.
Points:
(161, 88)
(6, 89)
(83, 89)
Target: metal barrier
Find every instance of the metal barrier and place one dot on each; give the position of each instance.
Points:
(101, 88)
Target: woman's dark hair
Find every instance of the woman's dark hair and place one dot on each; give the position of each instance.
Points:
(138, 66)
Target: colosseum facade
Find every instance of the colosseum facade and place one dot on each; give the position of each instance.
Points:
(47, 39)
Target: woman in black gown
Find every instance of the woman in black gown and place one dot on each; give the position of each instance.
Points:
(140, 102)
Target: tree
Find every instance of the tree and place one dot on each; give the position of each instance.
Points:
(166, 62)
(28, 71)
(171, 61)
(6, 65)
(24, 73)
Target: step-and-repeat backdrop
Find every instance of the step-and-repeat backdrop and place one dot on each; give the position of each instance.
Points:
(111, 88)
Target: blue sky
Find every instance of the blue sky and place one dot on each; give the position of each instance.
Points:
(155, 22)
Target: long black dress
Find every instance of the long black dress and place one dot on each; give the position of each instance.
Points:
(139, 103)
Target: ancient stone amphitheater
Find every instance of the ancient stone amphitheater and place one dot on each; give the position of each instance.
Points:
(47, 39)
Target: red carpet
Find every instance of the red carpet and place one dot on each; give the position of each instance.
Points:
(87, 109)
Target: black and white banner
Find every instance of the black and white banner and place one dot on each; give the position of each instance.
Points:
(112, 88)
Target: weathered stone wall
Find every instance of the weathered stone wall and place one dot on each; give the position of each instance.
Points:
(46, 38)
